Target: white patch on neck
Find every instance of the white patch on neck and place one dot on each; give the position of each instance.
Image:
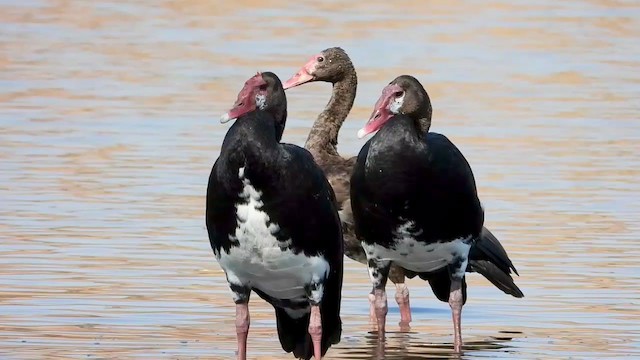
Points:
(261, 101)
(396, 104)
(418, 256)
(259, 260)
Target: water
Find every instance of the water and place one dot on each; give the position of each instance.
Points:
(109, 127)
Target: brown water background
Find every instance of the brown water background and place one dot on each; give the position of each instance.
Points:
(109, 127)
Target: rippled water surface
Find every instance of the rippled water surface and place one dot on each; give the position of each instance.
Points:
(109, 127)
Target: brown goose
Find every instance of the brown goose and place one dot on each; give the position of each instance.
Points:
(333, 65)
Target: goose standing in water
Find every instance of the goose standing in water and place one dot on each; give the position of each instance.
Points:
(333, 65)
(415, 202)
(274, 226)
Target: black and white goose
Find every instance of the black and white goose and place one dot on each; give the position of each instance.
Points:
(273, 224)
(415, 204)
(487, 256)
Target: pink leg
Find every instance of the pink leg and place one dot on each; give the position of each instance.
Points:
(380, 350)
(242, 329)
(402, 298)
(381, 310)
(315, 330)
(372, 308)
(455, 302)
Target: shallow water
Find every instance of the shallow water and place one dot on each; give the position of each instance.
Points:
(109, 127)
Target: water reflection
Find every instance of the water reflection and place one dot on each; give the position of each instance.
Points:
(108, 130)
(409, 345)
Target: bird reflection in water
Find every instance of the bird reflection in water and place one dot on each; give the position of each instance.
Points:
(408, 345)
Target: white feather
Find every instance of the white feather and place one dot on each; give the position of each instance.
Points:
(418, 256)
(260, 261)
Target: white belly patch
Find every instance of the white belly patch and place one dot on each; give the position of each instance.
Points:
(259, 260)
(417, 256)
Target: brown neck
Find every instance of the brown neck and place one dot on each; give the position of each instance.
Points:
(424, 123)
(324, 133)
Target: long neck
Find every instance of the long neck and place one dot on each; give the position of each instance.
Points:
(391, 145)
(423, 125)
(324, 133)
(424, 122)
(252, 139)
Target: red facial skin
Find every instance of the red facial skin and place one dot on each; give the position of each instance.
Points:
(381, 113)
(304, 75)
(246, 101)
